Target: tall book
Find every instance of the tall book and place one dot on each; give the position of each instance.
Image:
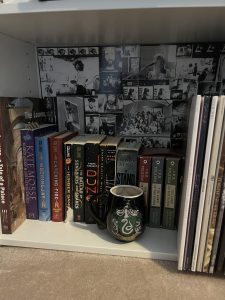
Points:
(156, 196)
(218, 228)
(212, 174)
(144, 179)
(219, 170)
(92, 155)
(188, 176)
(204, 182)
(29, 166)
(43, 176)
(220, 263)
(57, 177)
(196, 186)
(12, 197)
(79, 162)
(172, 173)
(126, 163)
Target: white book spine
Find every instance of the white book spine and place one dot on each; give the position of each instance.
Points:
(188, 174)
(204, 181)
(210, 182)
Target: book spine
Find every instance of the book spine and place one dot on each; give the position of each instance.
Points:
(4, 191)
(126, 167)
(204, 182)
(221, 249)
(144, 178)
(29, 167)
(43, 178)
(218, 229)
(110, 166)
(79, 182)
(193, 209)
(156, 191)
(91, 176)
(102, 181)
(170, 194)
(57, 180)
(69, 200)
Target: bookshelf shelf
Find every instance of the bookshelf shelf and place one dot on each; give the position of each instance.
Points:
(109, 22)
(154, 243)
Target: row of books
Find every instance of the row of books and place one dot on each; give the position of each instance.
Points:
(55, 171)
(201, 238)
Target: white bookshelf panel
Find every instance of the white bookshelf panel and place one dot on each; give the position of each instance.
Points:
(154, 243)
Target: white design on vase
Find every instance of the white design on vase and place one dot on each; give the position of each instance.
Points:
(127, 227)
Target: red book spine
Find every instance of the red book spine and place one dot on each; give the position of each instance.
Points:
(57, 180)
(144, 179)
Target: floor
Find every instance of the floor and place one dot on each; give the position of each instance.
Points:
(45, 274)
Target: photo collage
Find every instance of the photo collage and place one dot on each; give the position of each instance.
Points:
(141, 93)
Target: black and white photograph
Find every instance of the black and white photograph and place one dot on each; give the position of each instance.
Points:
(130, 62)
(77, 76)
(184, 50)
(149, 141)
(62, 51)
(179, 120)
(206, 50)
(162, 91)
(130, 92)
(131, 51)
(110, 59)
(92, 124)
(70, 113)
(201, 69)
(73, 51)
(46, 63)
(91, 104)
(207, 88)
(221, 69)
(145, 92)
(110, 103)
(110, 82)
(83, 51)
(158, 62)
(93, 50)
(107, 125)
(190, 89)
(145, 118)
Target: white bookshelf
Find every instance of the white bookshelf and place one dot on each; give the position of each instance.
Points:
(154, 243)
(71, 22)
(30, 23)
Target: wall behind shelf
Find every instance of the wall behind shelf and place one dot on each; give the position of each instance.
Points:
(18, 68)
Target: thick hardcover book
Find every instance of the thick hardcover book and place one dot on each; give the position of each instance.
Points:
(79, 178)
(92, 154)
(205, 173)
(188, 176)
(170, 192)
(43, 176)
(221, 250)
(29, 167)
(212, 184)
(57, 176)
(12, 197)
(103, 154)
(126, 163)
(144, 178)
(194, 199)
(157, 182)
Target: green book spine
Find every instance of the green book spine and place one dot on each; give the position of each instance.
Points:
(79, 182)
(156, 191)
(170, 194)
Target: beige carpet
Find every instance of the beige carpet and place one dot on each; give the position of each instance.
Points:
(44, 274)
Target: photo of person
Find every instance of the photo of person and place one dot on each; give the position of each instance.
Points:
(145, 118)
(110, 103)
(134, 65)
(130, 93)
(91, 104)
(190, 89)
(107, 125)
(179, 119)
(83, 51)
(145, 92)
(62, 51)
(184, 50)
(161, 92)
(92, 124)
(73, 51)
(131, 51)
(70, 113)
(110, 59)
(110, 82)
(93, 50)
(158, 62)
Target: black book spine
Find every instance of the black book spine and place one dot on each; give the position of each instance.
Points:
(193, 209)
(102, 181)
(110, 166)
(221, 250)
(79, 182)
(92, 176)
